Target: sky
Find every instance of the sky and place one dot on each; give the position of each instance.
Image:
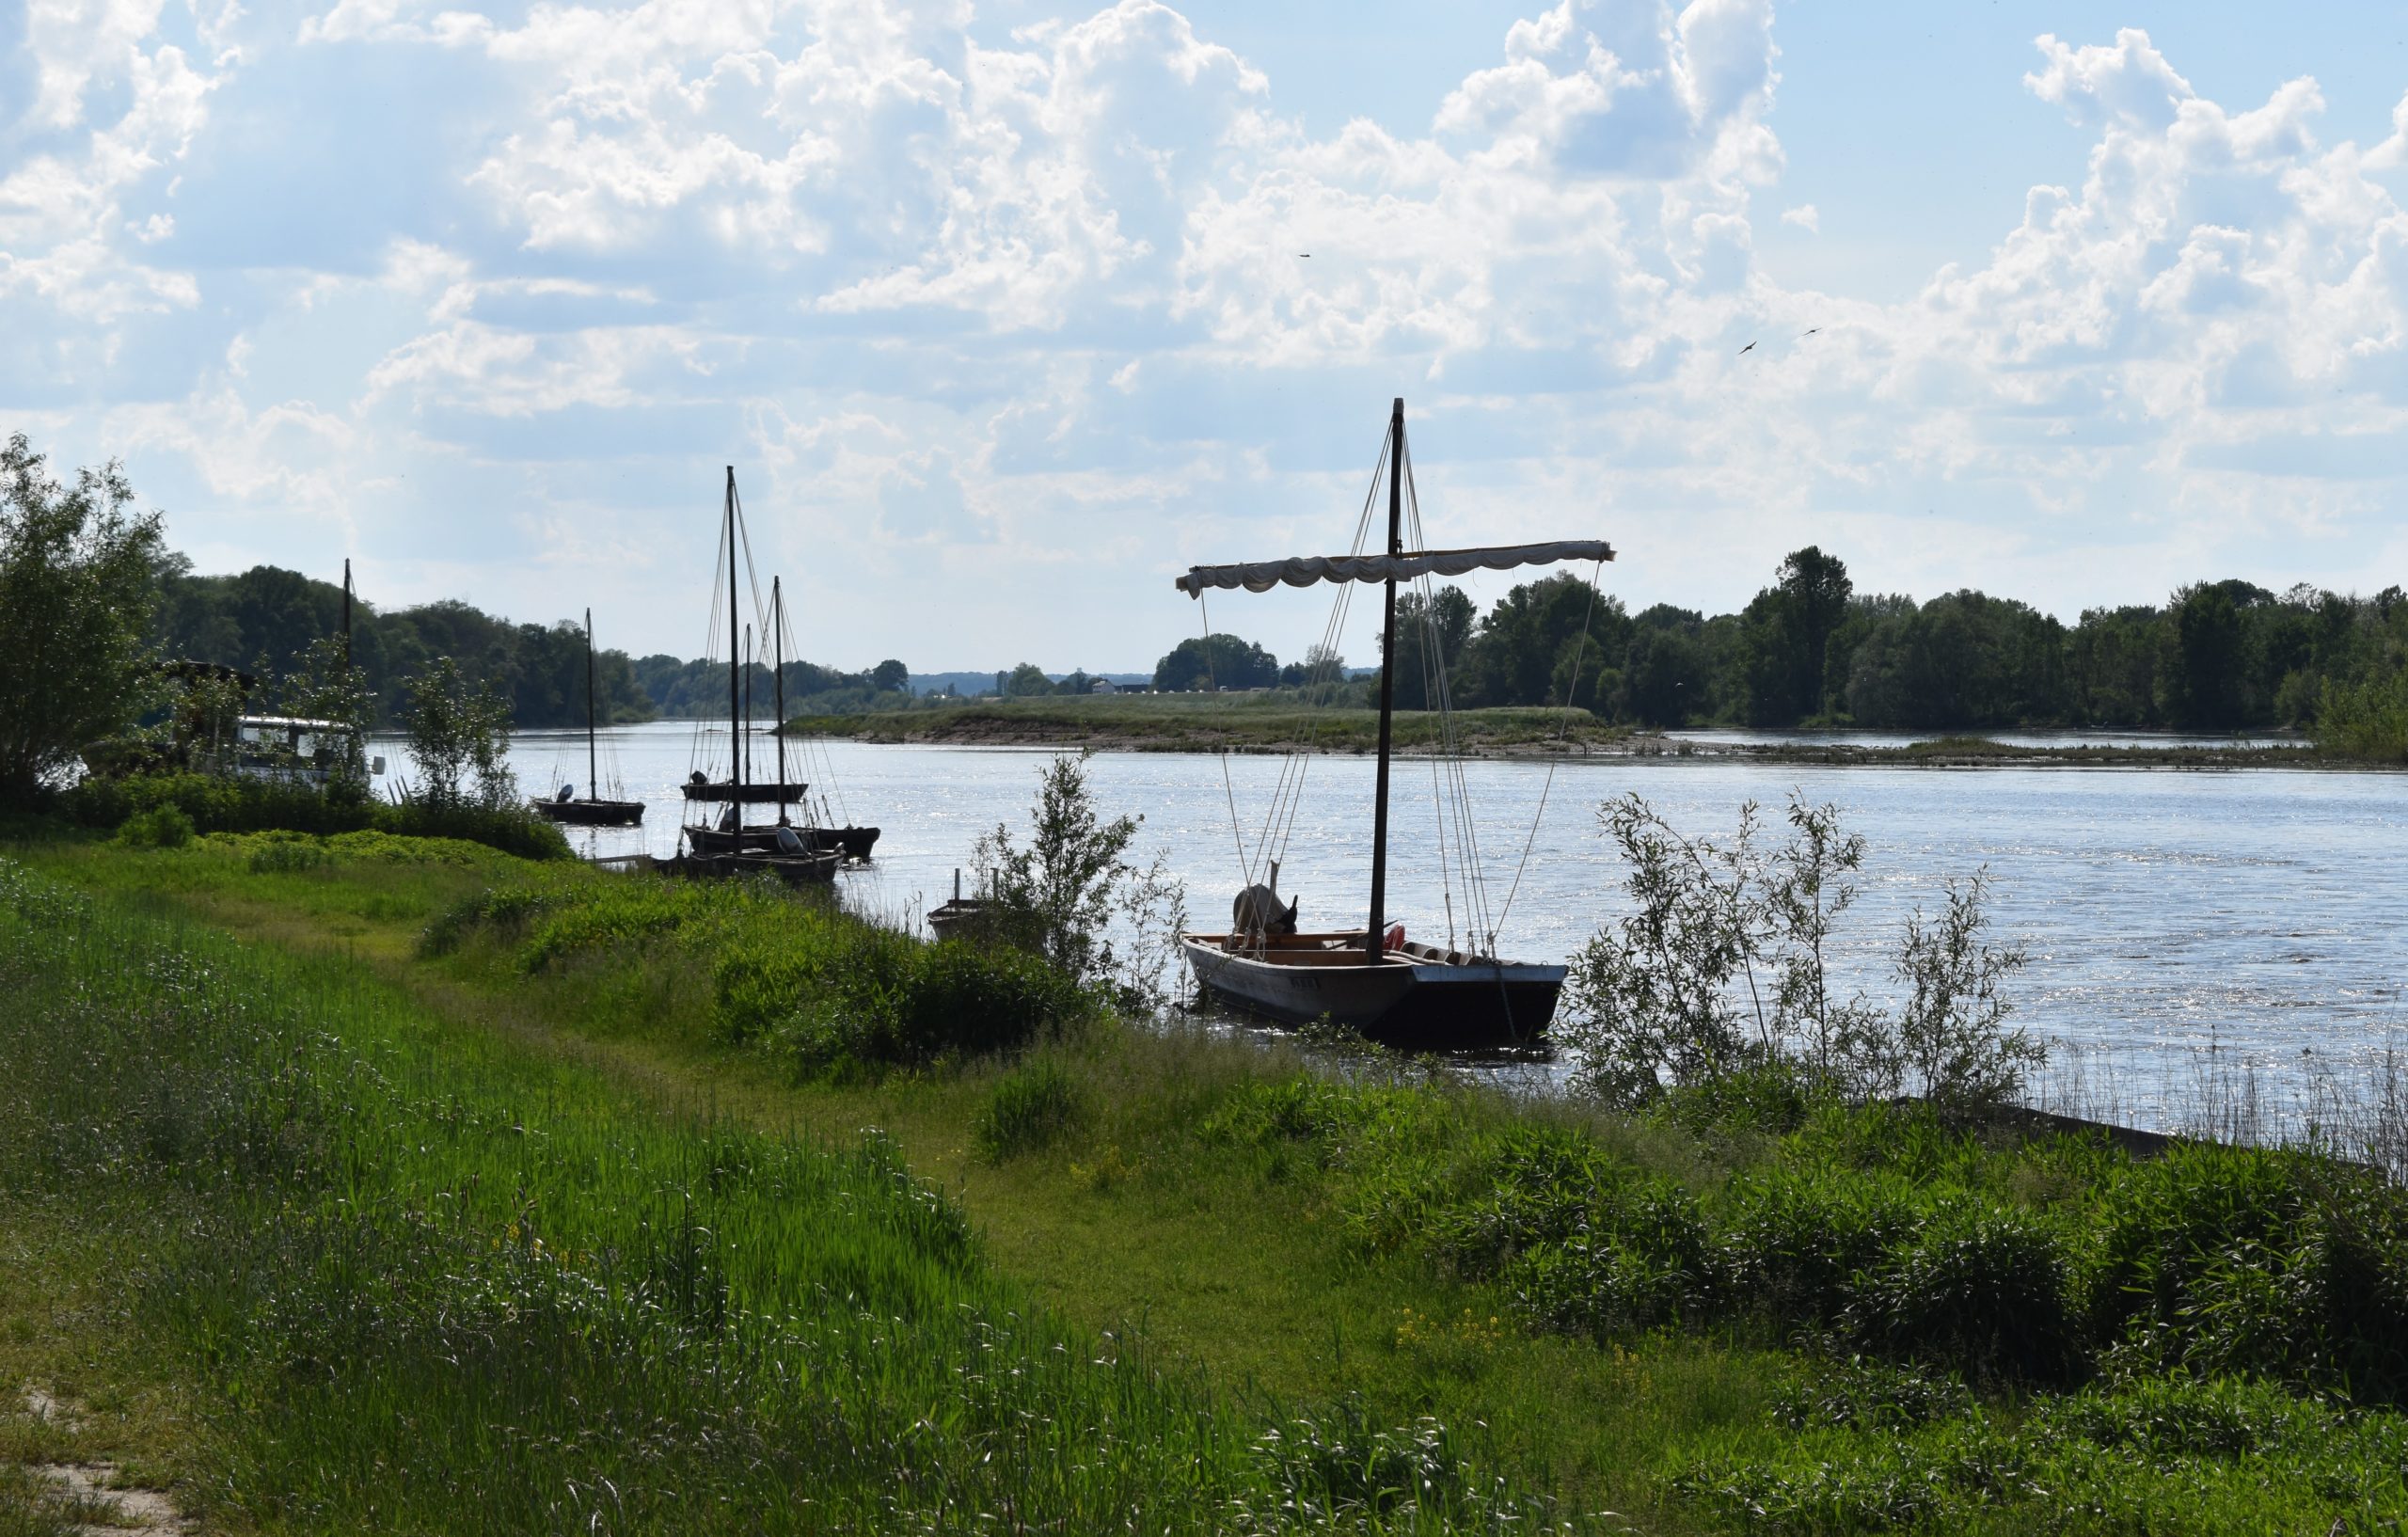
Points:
(1004, 314)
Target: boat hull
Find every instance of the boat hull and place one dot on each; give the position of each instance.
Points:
(955, 919)
(711, 841)
(1406, 1001)
(755, 838)
(794, 869)
(719, 792)
(852, 842)
(589, 812)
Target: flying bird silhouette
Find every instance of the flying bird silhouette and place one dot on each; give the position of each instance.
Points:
(1745, 350)
(1809, 331)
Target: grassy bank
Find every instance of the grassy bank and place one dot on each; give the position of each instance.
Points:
(432, 1280)
(414, 1064)
(1208, 722)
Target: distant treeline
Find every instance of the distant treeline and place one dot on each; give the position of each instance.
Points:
(2216, 656)
(263, 620)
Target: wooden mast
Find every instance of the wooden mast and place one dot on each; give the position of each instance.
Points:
(1373, 945)
(778, 685)
(734, 657)
(593, 772)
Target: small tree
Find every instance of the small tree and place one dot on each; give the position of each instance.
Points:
(77, 583)
(325, 686)
(1952, 1039)
(1671, 996)
(1657, 998)
(1059, 893)
(460, 737)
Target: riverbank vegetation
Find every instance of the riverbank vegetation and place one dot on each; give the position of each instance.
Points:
(401, 1145)
(1270, 722)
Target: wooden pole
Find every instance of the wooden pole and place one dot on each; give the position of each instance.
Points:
(735, 660)
(778, 685)
(1372, 941)
(593, 769)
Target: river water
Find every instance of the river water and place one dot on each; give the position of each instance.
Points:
(2246, 924)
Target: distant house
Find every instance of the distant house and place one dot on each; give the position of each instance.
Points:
(1103, 686)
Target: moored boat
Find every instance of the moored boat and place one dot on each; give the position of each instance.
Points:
(1416, 996)
(593, 811)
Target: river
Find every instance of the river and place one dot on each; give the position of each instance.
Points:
(2220, 928)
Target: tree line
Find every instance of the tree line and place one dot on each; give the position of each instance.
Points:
(265, 619)
(1811, 650)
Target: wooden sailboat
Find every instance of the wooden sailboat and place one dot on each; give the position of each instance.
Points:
(593, 811)
(1417, 996)
(730, 846)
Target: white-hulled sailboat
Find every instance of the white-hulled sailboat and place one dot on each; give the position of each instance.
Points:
(1413, 995)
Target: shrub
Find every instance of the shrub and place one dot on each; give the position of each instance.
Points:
(1982, 1288)
(2253, 1261)
(1719, 971)
(844, 995)
(1029, 1110)
(219, 804)
(1643, 1259)
(1870, 1395)
(161, 827)
(283, 855)
(1798, 1243)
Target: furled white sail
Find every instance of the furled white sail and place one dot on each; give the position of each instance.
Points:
(1304, 570)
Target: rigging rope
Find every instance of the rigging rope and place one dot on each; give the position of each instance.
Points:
(1571, 692)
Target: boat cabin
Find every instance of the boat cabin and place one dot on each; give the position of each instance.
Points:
(291, 749)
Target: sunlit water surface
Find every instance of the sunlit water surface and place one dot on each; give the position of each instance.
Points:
(2181, 926)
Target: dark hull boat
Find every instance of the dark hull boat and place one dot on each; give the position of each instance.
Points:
(593, 812)
(589, 812)
(721, 792)
(794, 869)
(1413, 996)
(850, 842)
(846, 843)
(1416, 998)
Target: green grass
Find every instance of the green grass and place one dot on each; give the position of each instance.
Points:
(1264, 721)
(1847, 1321)
(432, 1281)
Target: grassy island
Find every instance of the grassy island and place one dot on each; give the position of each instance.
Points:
(357, 1182)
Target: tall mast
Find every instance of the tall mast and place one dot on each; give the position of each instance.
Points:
(734, 658)
(346, 619)
(746, 754)
(778, 685)
(593, 772)
(1372, 945)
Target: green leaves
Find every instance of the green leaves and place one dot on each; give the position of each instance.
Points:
(77, 585)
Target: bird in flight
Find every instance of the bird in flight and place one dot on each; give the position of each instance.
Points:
(1304, 256)
(1745, 350)
(1809, 331)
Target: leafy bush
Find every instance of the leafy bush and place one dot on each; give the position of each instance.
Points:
(1058, 895)
(1030, 1109)
(280, 854)
(1718, 973)
(1798, 1240)
(2250, 1260)
(1980, 1287)
(225, 804)
(1870, 1395)
(161, 827)
(2368, 719)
